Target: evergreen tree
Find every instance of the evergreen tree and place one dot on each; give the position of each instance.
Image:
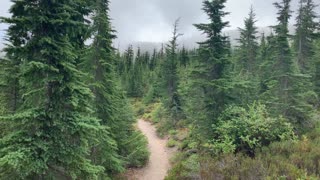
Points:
(305, 33)
(119, 63)
(139, 58)
(170, 75)
(100, 64)
(129, 58)
(262, 49)
(266, 49)
(210, 74)
(248, 43)
(132, 77)
(146, 61)
(283, 64)
(135, 78)
(245, 72)
(316, 59)
(161, 52)
(10, 65)
(153, 60)
(49, 134)
(289, 89)
(9, 80)
(154, 76)
(184, 57)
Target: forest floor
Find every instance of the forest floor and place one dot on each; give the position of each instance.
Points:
(159, 163)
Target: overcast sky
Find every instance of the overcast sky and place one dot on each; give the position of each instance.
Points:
(151, 20)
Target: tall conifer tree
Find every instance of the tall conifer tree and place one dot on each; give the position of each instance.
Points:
(170, 74)
(211, 73)
(306, 27)
(247, 62)
(184, 57)
(101, 65)
(153, 60)
(289, 89)
(50, 133)
(248, 43)
(316, 59)
(282, 60)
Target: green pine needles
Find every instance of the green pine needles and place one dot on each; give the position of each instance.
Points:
(50, 133)
(62, 123)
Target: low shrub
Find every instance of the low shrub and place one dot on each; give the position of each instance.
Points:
(186, 169)
(171, 143)
(150, 96)
(138, 154)
(290, 160)
(138, 107)
(244, 130)
(231, 167)
(157, 114)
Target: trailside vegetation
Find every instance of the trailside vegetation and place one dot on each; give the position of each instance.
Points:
(248, 110)
(237, 111)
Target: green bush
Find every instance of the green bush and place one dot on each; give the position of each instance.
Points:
(291, 159)
(157, 114)
(171, 143)
(138, 154)
(241, 130)
(186, 168)
(138, 107)
(150, 97)
(173, 132)
(164, 126)
(149, 111)
(160, 117)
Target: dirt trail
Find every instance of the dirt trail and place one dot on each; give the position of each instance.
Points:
(158, 165)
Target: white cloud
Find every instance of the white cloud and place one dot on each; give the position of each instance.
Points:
(151, 20)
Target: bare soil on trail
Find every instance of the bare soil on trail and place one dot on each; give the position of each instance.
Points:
(158, 164)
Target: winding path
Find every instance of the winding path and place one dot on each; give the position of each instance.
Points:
(158, 164)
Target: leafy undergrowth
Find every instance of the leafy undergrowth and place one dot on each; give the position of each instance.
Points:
(139, 155)
(135, 147)
(296, 158)
(248, 144)
(292, 159)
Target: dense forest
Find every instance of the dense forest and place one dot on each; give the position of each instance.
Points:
(248, 110)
